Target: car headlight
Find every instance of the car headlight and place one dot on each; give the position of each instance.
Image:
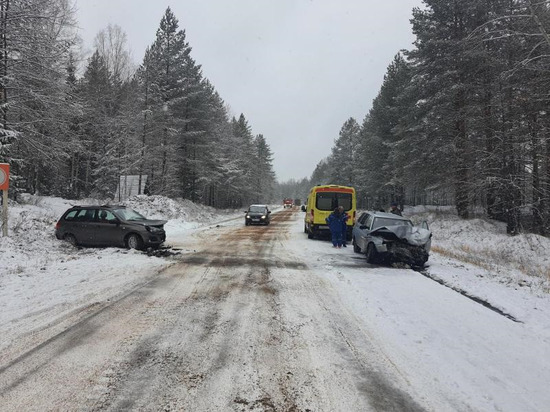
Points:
(263, 217)
(247, 216)
(152, 229)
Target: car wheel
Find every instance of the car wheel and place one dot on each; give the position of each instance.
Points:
(71, 239)
(134, 241)
(356, 248)
(371, 253)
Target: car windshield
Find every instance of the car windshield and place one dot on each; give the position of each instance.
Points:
(257, 209)
(128, 214)
(387, 221)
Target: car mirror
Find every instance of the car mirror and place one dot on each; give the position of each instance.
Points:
(269, 211)
(246, 211)
(114, 222)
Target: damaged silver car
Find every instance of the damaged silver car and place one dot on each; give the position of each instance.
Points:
(385, 237)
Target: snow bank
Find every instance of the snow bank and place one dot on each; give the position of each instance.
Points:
(42, 278)
(522, 260)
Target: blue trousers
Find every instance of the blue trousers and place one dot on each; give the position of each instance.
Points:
(337, 238)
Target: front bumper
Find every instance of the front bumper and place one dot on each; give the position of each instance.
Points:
(154, 239)
(256, 221)
(403, 252)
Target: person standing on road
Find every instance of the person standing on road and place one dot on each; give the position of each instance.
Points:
(345, 218)
(335, 225)
(394, 209)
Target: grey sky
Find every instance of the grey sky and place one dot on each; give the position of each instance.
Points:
(297, 69)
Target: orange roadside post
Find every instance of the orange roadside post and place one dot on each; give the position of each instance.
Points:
(4, 185)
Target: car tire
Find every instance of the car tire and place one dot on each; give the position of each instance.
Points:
(134, 241)
(310, 235)
(371, 253)
(356, 248)
(71, 239)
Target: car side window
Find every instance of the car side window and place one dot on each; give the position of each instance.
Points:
(71, 215)
(85, 215)
(369, 220)
(106, 216)
(362, 218)
(91, 215)
(81, 215)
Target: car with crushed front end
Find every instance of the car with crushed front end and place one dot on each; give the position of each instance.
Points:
(109, 226)
(257, 215)
(386, 237)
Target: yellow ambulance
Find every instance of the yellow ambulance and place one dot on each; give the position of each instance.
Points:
(321, 202)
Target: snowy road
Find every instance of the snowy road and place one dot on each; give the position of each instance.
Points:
(260, 318)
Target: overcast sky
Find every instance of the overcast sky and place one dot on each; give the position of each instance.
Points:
(297, 69)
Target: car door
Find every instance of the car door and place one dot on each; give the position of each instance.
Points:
(356, 234)
(369, 224)
(83, 226)
(364, 225)
(107, 229)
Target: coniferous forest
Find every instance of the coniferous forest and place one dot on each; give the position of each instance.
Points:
(463, 119)
(74, 135)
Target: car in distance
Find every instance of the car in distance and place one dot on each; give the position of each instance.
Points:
(258, 215)
(109, 226)
(389, 237)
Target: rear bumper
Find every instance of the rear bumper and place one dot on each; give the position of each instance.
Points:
(325, 228)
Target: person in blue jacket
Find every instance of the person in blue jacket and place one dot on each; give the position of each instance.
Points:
(335, 224)
(345, 218)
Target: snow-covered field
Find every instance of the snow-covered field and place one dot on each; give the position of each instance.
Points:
(43, 281)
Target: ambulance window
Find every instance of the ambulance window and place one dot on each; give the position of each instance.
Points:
(344, 199)
(325, 201)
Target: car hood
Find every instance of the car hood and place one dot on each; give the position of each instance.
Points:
(414, 235)
(147, 222)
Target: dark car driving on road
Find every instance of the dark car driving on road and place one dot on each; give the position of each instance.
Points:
(257, 214)
(109, 226)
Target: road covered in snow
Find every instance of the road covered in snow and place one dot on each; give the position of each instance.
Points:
(261, 318)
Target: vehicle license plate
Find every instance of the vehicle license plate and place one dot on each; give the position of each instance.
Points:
(255, 220)
(323, 227)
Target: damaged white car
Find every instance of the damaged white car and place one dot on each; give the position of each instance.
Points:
(388, 237)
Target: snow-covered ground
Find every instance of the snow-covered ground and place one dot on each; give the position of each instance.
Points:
(42, 280)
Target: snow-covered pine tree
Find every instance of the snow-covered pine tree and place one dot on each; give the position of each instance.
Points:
(265, 174)
(36, 37)
(343, 153)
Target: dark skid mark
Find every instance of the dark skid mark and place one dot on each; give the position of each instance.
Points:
(466, 294)
(195, 260)
(244, 261)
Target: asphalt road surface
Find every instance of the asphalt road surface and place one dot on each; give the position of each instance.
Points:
(240, 323)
